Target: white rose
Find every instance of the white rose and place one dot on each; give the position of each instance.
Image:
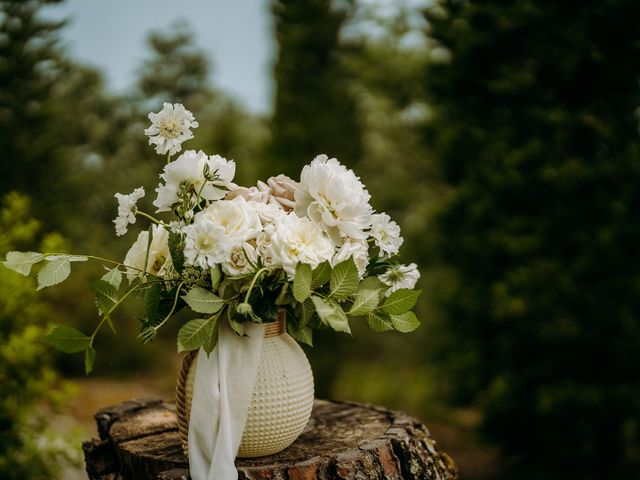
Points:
(400, 276)
(298, 240)
(240, 260)
(356, 249)
(334, 197)
(158, 259)
(386, 234)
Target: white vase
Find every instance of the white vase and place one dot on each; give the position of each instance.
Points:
(282, 396)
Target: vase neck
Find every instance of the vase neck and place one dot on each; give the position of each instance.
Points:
(274, 329)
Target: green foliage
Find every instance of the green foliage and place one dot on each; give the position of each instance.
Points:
(533, 124)
(315, 111)
(28, 447)
(302, 282)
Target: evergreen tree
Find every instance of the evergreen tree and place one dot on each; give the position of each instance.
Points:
(29, 61)
(315, 111)
(534, 126)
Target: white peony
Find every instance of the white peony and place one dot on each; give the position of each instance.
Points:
(219, 228)
(386, 234)
(188, 170)
(356, 249)
(170, 127)
(127, 209)
(240, 260)
(400, 276)
(158, 259)
(298, 240)
(333, 196)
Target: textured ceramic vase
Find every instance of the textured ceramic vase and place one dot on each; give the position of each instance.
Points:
(282, 395)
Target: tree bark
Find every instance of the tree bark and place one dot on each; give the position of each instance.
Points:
(139, 440)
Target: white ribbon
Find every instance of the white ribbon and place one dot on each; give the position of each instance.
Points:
(222, 392)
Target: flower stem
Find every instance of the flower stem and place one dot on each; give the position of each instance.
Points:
(173, 308)
(153, 219)
(253, 282)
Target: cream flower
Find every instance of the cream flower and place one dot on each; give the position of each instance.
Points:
(298, 240)
(218, 229)
(170, 127)
(277, 191)
(188, 172)
(356, 249)
(240, 259)
(386, 234)
(334, 197)
(400, 276)
(127, 209)
(158, 258)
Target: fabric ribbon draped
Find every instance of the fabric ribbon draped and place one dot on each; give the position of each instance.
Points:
(222, 392)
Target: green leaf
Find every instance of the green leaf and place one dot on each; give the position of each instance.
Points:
(22, 262)
(237, 327)
(379, 322)
(400, 301)
(216, 276)
(366, 300)
(195, 334)
(284, 297)
(114, 277)
(152, 297)
(300, 334)
(344, 280)
(54, 272)
(176, 250)
(203, 301)
(302, 282)
(89, 359)
(106, 295)
(332, 314)
(406, 322)
(68, 339)
(212, 339)
(307, 310)
(320, 275)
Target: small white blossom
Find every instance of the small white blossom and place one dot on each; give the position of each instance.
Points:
(127, 210)
(158, 259)
(356, 249)
(205, 245)
(335, 198)
(400, 276)
(240, 259)
(187, 171)
(298, 240)
(170, 127)
(386, 234)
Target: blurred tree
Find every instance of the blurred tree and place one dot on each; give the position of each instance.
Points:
(315, 111)
(29, 59)
(29, 448)
(534, 125)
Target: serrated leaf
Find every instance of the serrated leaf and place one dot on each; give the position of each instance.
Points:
(152, 297)
(212, 339)
(195, 334)
(176, 251)
(332, 314)
(379, 322)
(22, 262)
(307, 310)
(300, 334)
(406, 322)
(237, 327)
(321, 275)
(302, 282)
(114, 277)
(203, 301)
(344, 280)
(54, 272)
(68, 339)
(106, 295)
(216, 275)
(89, 359)
(400, 301)
(365, 302)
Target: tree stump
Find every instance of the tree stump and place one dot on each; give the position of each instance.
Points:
(139, 440)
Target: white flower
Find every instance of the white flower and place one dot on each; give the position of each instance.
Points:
(334, 197)
(127, 210)
(218, 229)
(158, 259)
(400, 276)
(170, 127)
(240, 259)
(278, 191)
(386, 234)
(356, 249)
(298, 240)
(268, 212)
(187, 171)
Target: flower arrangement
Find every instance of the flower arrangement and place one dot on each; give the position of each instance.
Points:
(315, 248)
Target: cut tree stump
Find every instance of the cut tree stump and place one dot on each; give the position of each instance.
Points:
(139, 440)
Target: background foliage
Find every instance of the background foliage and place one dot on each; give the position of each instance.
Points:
(503, 138)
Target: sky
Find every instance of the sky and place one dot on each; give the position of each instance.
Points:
(236, 34)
